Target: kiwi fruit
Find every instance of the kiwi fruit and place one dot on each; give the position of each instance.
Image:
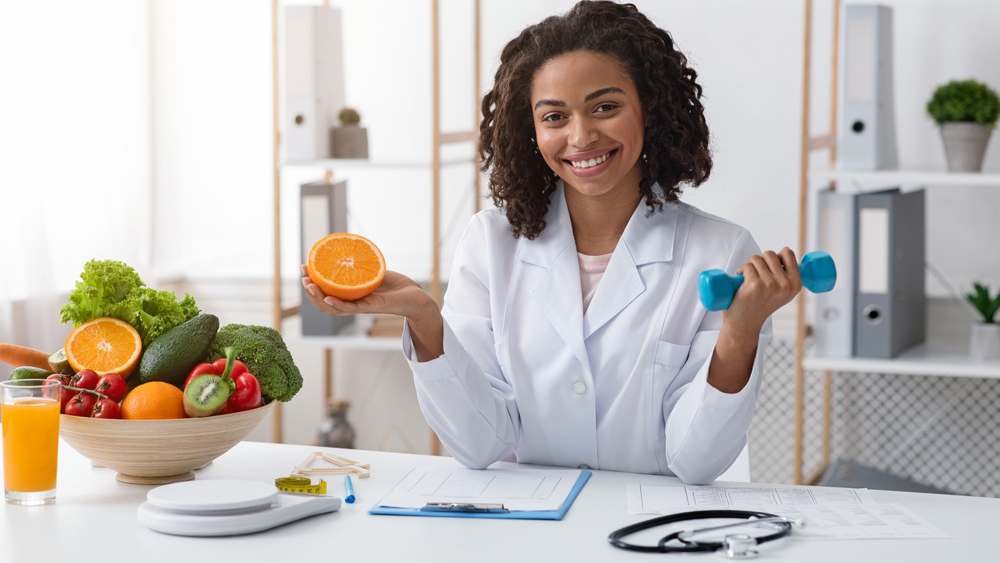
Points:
(207, 395)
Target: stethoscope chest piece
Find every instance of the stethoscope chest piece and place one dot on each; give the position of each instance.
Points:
(740, 546)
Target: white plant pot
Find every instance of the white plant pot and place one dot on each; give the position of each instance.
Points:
(984, 342)
(965, 145)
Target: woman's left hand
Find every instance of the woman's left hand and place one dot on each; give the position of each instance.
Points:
(770, 281)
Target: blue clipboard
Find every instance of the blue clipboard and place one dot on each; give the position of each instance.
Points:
(557, 514)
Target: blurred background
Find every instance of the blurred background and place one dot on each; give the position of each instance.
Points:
(144, 131)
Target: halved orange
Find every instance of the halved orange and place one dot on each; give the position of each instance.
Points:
(346, 266)
(105, 345)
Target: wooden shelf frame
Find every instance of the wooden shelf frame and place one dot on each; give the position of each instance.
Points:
(809, 144)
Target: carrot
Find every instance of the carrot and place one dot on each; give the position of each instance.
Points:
(18, 356)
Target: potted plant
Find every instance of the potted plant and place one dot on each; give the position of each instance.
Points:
(966, 110)
(349, 140)
(984, 343)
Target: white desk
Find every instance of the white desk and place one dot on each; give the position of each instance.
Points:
(94, 510)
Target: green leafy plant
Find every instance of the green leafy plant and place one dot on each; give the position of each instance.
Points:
(964, 100)
(981, 300)
(349, 116)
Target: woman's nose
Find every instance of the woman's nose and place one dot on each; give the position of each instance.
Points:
(582, 133)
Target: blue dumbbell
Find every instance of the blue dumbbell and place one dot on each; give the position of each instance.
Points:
(717, 288)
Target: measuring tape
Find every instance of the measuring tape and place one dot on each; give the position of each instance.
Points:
(300, 486)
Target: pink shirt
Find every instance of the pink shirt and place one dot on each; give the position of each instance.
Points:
(591, 270)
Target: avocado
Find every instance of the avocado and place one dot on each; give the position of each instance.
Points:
(172, 356)
(28, 372)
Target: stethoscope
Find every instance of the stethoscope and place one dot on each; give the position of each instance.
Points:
(736, 546)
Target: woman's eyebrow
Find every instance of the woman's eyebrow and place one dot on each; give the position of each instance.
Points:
(590, 96)
(603, 91)
(549, 103)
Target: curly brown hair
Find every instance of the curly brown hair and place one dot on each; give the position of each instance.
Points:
(675, 142)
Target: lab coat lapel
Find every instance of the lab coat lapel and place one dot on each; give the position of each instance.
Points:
(559, 291)
(619, 286)
(648, 237)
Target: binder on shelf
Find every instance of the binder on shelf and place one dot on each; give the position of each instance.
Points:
(867, 139)
(313, 69)
(890, 250)
(322, 210)
(833, 326)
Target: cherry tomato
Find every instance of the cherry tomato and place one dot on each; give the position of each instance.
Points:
(64, 394)
(85, 379)
(112, 385)
(106, 408)
(82, 404)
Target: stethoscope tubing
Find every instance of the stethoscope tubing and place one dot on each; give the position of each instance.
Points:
(616, 538)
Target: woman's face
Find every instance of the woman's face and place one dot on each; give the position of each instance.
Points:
(588, 122)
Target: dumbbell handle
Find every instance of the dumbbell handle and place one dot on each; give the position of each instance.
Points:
(716, 288)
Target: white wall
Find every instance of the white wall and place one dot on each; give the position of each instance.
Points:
(74, 154)
(74, 151)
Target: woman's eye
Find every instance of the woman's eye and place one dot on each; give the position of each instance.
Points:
(604, 108)
(551, 117)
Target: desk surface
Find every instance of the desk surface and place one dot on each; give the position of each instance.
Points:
(94, 510)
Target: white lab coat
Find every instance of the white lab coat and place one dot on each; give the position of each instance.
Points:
(622, 387)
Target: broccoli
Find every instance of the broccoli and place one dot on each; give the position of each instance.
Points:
(265, 354)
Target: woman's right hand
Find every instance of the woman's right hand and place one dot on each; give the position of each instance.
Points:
(398, 295)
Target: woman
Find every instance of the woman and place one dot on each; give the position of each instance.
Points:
(571, 331)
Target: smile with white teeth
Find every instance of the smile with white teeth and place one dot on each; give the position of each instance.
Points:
(592, 162)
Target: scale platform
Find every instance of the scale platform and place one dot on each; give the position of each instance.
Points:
(223, 507)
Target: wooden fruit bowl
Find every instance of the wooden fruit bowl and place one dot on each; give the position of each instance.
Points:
(152, 452)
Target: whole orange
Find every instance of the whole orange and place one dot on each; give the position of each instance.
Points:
(154, 400)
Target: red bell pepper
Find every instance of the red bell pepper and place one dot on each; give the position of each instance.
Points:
(246, 394)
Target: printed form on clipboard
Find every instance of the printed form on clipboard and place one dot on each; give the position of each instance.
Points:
(505, 490)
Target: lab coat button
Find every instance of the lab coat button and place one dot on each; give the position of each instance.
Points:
(579, 388)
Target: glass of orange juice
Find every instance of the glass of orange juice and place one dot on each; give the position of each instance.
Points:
(30, 423)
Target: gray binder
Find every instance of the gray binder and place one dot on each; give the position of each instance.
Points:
(322, 210)
(890, 303)
(833, 326)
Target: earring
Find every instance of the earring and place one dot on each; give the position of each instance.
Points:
(644, 157)
(534, 145)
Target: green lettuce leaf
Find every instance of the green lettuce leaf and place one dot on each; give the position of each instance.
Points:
(109, 288)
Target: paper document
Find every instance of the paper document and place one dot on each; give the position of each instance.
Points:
(829, 513)
(517, 488)
(660, 498)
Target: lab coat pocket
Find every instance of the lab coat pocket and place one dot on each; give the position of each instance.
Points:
(671, 356)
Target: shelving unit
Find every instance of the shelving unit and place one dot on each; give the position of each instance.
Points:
(929, 359)
(439, 138)
(361, 163)
(935, 358)
(904, 178)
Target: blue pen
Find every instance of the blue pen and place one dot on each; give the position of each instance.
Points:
(349, 489)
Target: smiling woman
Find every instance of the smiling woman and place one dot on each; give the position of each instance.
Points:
(571, 332)
(597, 91)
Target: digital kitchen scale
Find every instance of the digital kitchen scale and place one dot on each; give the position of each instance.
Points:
(223, 507)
